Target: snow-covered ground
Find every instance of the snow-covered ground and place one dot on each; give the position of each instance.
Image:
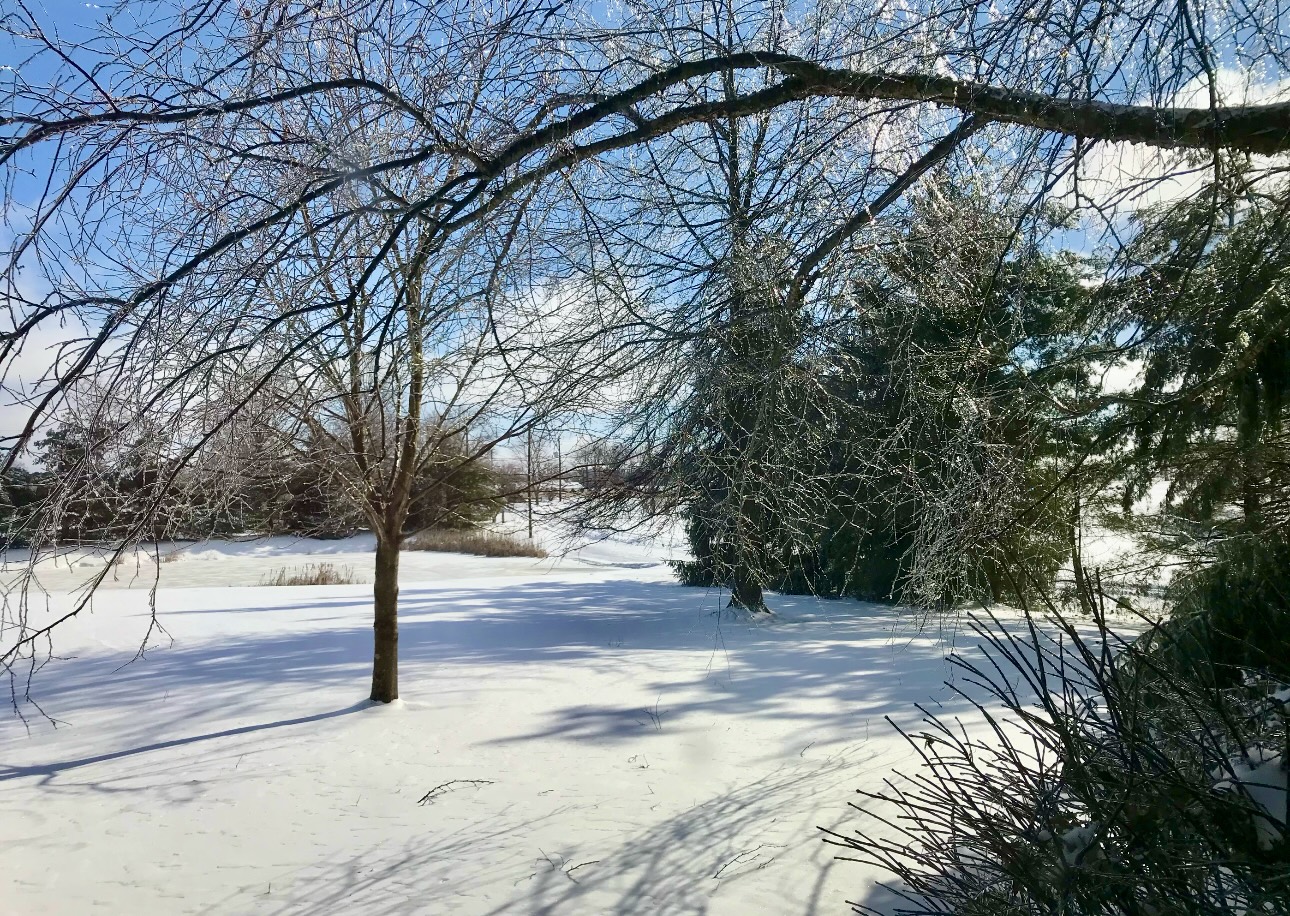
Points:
(593, 739)
(253, 561)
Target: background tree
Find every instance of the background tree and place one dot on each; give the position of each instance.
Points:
(1205, 303)
(957, 353)
(731, 237)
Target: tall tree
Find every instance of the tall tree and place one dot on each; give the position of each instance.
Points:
(383, 389)
(730, 241)
(1204, 304)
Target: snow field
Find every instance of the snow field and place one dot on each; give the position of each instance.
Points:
(599, 739)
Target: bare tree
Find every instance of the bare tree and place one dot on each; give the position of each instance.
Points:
(386, 399)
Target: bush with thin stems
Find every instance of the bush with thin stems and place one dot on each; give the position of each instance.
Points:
(312, 574)
(479, 543)
(1109, 780)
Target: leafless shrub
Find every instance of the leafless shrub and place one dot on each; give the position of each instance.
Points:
(1111, 783)
(312, 574)
(480, 543)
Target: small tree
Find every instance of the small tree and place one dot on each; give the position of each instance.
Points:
(395, 397)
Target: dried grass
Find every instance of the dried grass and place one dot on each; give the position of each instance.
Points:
(311, 574)
(479, 543)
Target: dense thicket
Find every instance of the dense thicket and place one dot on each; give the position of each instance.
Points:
(930, 402)
(1138, 775)
(966, 366)
(1105, 783)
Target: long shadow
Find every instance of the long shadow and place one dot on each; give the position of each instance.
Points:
(492, 864)
(675, 867)
(49, 770)
(850, 668)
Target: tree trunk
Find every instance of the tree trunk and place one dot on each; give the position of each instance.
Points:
(1082, 590)
(745, 592)
(385, 622)
(1251, 503)
(1249, 432)
(993, 581)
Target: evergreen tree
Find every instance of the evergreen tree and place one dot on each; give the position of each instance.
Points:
(948, 465)
(21, 492)
(1207, 301)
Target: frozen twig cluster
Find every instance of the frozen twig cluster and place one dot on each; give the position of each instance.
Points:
(1104, 781)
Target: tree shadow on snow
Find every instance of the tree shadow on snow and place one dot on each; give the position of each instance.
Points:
(672, 868)
(831, 668)
(50, 770)
(841, 656)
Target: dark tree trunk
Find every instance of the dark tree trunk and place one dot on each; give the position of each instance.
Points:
(1082, 589)
(1251, 503)
(1249, 433)
(993, 581)
(385, 622)
(745, 592)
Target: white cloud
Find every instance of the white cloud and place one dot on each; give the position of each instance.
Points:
(1121, 377)
(1120, 177)
(28, 370)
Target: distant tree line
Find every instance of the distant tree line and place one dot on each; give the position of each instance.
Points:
(280, 492)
